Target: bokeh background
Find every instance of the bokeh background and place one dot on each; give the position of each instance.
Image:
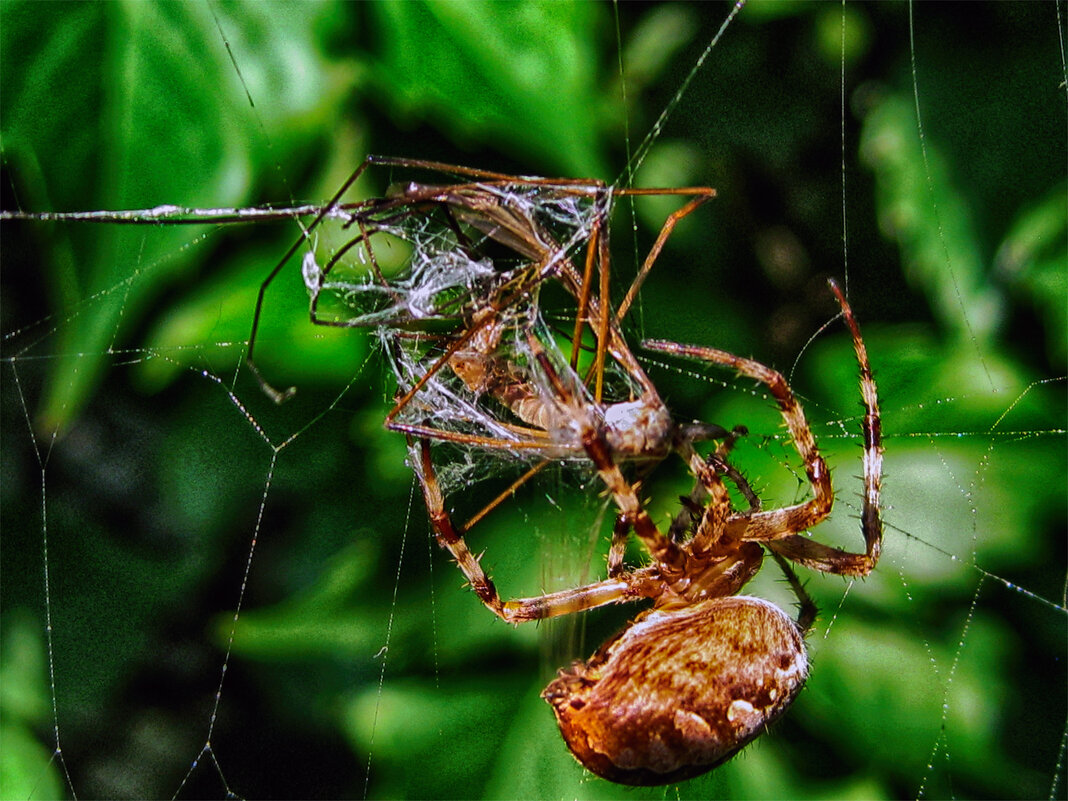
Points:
(359, 667)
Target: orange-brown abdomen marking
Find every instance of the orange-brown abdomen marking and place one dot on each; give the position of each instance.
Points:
(679, 692)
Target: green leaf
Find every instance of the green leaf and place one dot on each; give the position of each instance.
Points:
(101, 111)
(921, 209)
(521, 76)
(1032, 260)
(431, 741)
(27, 769)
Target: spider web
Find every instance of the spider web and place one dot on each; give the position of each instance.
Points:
(150, 489)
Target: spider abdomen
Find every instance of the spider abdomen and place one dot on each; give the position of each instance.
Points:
(679, 692)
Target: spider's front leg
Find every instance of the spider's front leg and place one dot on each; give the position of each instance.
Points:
(835, 560)
(781, 528)
(621, 589)
(775, 523)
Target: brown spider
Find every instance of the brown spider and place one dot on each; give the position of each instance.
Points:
(704, 671)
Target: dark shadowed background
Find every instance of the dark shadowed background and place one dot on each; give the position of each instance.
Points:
(359, 666)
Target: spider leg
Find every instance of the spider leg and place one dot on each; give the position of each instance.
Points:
(776, 523)
(627, 587)
(643, 583)
(740, 481)
(780, 528)
(834, 560)
(710, 528)
(444, 530)
(618, 548)
(713, 523)
(807, 609)
(716, 564)
(872, 430)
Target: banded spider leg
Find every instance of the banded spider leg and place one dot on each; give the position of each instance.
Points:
(781, 528)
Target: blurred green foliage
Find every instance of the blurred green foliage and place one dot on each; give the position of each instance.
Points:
(358, 666)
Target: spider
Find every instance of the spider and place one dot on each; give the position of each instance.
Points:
(704, 671)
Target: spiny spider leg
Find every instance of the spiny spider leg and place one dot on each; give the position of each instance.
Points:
(638, 584)
(775, 523)
(806, 609)
(683, 526)
(834, 560)
(780, 527)
(710, 497)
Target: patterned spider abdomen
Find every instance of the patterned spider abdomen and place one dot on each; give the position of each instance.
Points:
(679, 692)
